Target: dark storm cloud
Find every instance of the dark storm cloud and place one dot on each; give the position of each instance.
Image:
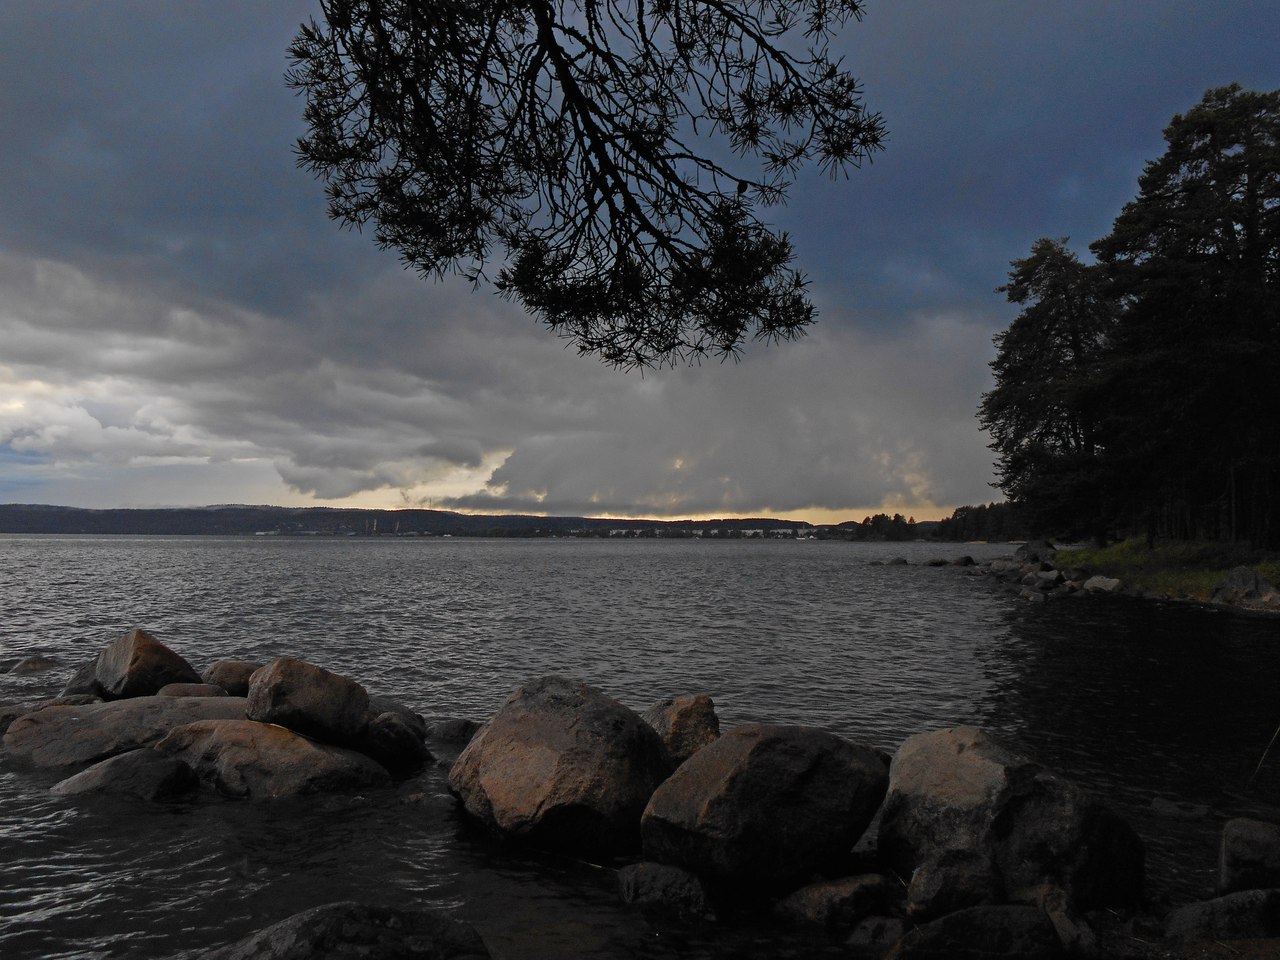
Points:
(179, 322)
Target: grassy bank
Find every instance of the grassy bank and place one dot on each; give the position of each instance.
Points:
(1174, 569)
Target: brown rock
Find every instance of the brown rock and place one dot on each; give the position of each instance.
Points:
(308, 699)
(37, 663)
(765, 806)
(564, 767)
(69, 735)
(262, 761)
(983, 933)
(685, 724)
(388, 739)
(953, 881)
(836, 905)
(137, 665)
(139, 773)
(84, 680)
(662, 888)
(231, 675)
(191, 690)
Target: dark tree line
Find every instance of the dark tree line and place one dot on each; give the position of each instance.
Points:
(605, 158)
(1141, 393)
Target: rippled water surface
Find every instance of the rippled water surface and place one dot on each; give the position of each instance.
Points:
(1164, 710)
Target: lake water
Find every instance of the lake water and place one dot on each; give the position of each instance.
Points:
(1163, 710)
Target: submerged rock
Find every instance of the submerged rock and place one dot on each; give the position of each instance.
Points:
(663, 888)
(453, 730)
(983, 933)
(69, 735)
(263, 761)
(685, 724)
(352, 931)
(139, 773)
(765, 805)
(137, 665)
(564, 767)
(37, 663)
(959, 790)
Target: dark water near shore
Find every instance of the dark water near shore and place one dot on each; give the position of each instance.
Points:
(1162, 709)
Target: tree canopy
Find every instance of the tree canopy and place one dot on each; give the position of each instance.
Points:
(1167, 421)
(607, 158)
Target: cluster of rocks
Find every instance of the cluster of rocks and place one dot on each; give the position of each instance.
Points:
(953, 846)
(1036, 569)
(141, 721)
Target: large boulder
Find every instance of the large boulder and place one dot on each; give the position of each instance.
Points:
(309, 699)
(765, 805)
(137, 665)
(1249, 857)
(70, 735)
(231, 675)
(351, 931)
(959, 790)
(686, 724)
(263, 761)
(562, 766)
(139, 773)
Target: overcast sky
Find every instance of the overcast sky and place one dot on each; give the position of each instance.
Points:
(181, 324)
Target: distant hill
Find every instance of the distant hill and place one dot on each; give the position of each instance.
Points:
(239, 520)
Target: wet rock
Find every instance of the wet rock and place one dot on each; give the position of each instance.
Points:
(379, 704)
(191, 690)
(685, 724)
(564, 767)
(953, 881)
(1101, 584)
(38, 663)
(308, 699)
(765, 806)
(936, 562)
(897, 562)
(959, 790)
(1244, 915)
(1032, 594)
(983, 933)
(1035, 551)
(665, 889)
(453, 730)
(139, 773)
(10, 712)
(873, 937)
(231, 675)
(1249, 856)
(262, 761)
(351, 931)
(965, 561)
(137, 665)
(84, 680)
(835, 905)
(68, 735)
(388, 739)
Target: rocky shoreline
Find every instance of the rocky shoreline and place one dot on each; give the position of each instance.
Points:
(953, 846)
(1041, 572)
